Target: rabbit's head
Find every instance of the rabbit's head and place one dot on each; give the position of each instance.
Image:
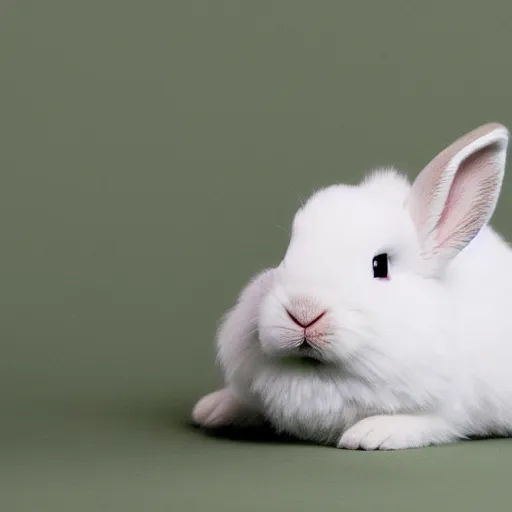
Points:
(362, 285)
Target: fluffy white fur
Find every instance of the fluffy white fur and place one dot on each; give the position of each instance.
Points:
(422, 358)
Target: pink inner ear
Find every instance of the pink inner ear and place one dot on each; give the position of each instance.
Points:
(471, 196)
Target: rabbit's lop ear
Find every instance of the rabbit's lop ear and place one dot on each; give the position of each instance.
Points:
(456, 193)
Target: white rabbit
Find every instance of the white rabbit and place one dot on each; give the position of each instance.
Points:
(388, 324)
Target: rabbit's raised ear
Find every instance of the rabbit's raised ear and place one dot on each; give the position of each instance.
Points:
(455, 195)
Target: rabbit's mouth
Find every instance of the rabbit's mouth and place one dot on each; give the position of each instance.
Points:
(297, 361)
(307, 350)
(307, 354)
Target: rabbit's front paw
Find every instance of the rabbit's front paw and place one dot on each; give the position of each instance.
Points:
(395, 433)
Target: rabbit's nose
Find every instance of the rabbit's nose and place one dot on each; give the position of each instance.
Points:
(305, 311)
(304, 321)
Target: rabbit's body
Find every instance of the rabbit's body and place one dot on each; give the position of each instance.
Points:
(420, 356)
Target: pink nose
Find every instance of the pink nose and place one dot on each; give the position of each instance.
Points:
(306, 322)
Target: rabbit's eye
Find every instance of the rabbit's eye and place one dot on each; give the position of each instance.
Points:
(380, 266)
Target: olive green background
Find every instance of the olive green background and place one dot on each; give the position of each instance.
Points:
(152, 155)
